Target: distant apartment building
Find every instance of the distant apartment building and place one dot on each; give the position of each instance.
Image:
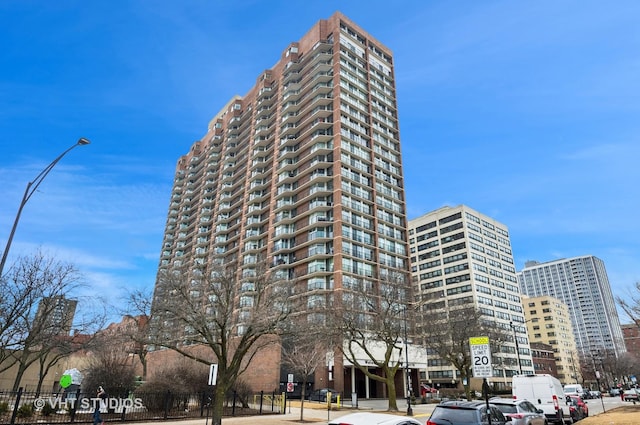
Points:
(544, 360)
(582, 284)
(549, 323)
(631, 335)
(460, 256)
(56, 314)
(305, 172)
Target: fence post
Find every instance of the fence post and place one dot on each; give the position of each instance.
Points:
(74, 406)
(166, 404)
(16, 406)
(284, 401)
(202, 401)
(233, 406)
(261, 401)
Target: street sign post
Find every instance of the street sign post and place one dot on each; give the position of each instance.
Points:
(213, 378)
(481, 362)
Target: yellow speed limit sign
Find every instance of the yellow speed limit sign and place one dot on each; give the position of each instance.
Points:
(480, 357)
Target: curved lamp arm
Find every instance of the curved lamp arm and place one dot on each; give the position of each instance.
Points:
(32, 186)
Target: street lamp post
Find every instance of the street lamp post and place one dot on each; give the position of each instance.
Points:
(597, 375)
(32, 186)
(408, 371)
(604, 372)
(515, 337)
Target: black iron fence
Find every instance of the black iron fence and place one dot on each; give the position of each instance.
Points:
(24, 407)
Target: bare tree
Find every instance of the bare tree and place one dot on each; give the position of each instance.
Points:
(39, 328)
(109, 367)
(230, 315)
(371, 320)
(304, 350)
(59, 348)
(631, 304)
(19, 297)
(136, 335)
(448, 333)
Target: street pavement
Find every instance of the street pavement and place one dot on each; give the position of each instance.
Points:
(320, 415)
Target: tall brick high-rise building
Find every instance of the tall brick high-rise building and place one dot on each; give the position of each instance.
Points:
(303, 170)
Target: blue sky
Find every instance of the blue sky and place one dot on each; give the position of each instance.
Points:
(525, 111)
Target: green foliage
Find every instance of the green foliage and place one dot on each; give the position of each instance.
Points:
(4, 407)
(25, 411)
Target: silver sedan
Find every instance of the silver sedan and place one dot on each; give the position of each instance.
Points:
(520, 412)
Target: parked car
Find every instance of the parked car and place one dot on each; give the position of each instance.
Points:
(426, 389)
(467, 413)
(595, 394)
(574, 410)
(614, 392)
(369, 418)
(630, 395)
(582, 405)
(521, 412)
(321, 395)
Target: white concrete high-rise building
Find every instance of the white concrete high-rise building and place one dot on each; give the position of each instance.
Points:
(582, 284)
(460, 256)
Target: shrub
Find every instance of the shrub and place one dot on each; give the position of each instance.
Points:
(25, 411)
(4, 407)
(169, 386)
(243, 392)
(451, 393)
(181, 376)
(47, 409)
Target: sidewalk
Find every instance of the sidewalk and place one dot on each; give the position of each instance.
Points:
(312, 413)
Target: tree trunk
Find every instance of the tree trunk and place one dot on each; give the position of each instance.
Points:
(143, 360)
(302, 395)
(218, 405)
(393, 399)
(16, 382)
(465, 375)
(40, 381)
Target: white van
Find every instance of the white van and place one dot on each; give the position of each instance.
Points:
(546, 393)
(573, 389)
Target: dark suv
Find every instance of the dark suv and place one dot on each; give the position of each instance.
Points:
(466, 413)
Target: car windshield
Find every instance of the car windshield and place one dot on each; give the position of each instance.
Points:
(455, 416)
